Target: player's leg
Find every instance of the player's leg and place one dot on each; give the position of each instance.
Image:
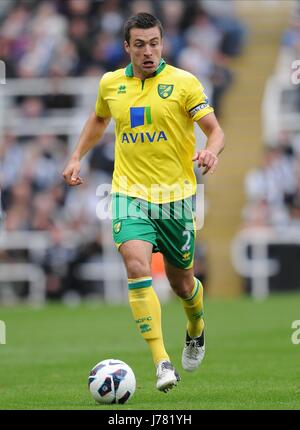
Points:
(176, 232)
(190, 291)
(143, 300)
(135, 236)
(146, 308)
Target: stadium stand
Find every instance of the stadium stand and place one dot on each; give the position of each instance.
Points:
(266, 251)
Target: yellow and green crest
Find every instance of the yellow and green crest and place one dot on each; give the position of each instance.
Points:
(165, 91)
(117, 227)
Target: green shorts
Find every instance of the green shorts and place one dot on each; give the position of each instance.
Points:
(170, 227)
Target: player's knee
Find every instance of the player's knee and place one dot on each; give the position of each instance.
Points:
(182, 288)
(137, 268)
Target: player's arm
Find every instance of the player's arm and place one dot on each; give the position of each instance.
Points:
(89, 137)
(208, 157)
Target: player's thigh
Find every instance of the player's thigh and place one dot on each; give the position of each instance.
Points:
(137, 256)
(134, 234)
(176, 236)
(131, 221)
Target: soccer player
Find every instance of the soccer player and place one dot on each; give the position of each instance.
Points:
(154, 106)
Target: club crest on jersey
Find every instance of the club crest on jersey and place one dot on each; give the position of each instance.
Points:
(164, 91)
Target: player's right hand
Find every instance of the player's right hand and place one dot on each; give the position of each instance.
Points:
(71, 173)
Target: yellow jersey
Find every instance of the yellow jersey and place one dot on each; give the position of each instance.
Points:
(154, 131)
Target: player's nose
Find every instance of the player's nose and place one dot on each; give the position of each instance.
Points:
(147, 51)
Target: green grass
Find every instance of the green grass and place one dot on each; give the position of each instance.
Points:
(250, 362)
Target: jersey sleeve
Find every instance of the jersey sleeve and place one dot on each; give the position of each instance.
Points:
(102, 108)
(197, 105)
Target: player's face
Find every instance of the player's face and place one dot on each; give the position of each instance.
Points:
(145, 48)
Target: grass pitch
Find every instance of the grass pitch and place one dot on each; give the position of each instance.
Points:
(250, 363)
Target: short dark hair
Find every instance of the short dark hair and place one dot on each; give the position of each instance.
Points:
(141, 20)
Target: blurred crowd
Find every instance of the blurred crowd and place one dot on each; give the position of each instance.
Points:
(79, 37)
(75, 38)
(273, 188)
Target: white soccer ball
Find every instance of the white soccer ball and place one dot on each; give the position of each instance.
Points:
(111, 381)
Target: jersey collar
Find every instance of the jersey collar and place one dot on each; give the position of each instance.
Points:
(161, 66)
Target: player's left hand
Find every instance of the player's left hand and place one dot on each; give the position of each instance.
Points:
(206, 159)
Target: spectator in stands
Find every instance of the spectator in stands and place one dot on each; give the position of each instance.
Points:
(109, 19)
(80, 209)
(202, 56)
(86, 252)
(79, 33)
(138, 6)
(106, 50)
(12, 157)
(233, 31)
(273, 179)
(172, 14)
(257, 216)
(31, 107)
(56, 262)
(272, 188)
(18, 213)
(76, 8)
(292, 200)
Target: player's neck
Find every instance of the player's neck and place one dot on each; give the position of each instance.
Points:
(140, 75)
(136, 72)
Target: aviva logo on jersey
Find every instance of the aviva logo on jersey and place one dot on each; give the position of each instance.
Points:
(140, 116)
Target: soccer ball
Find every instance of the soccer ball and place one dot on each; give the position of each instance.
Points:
(111, 381)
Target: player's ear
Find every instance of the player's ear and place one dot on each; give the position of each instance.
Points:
(126, 47)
